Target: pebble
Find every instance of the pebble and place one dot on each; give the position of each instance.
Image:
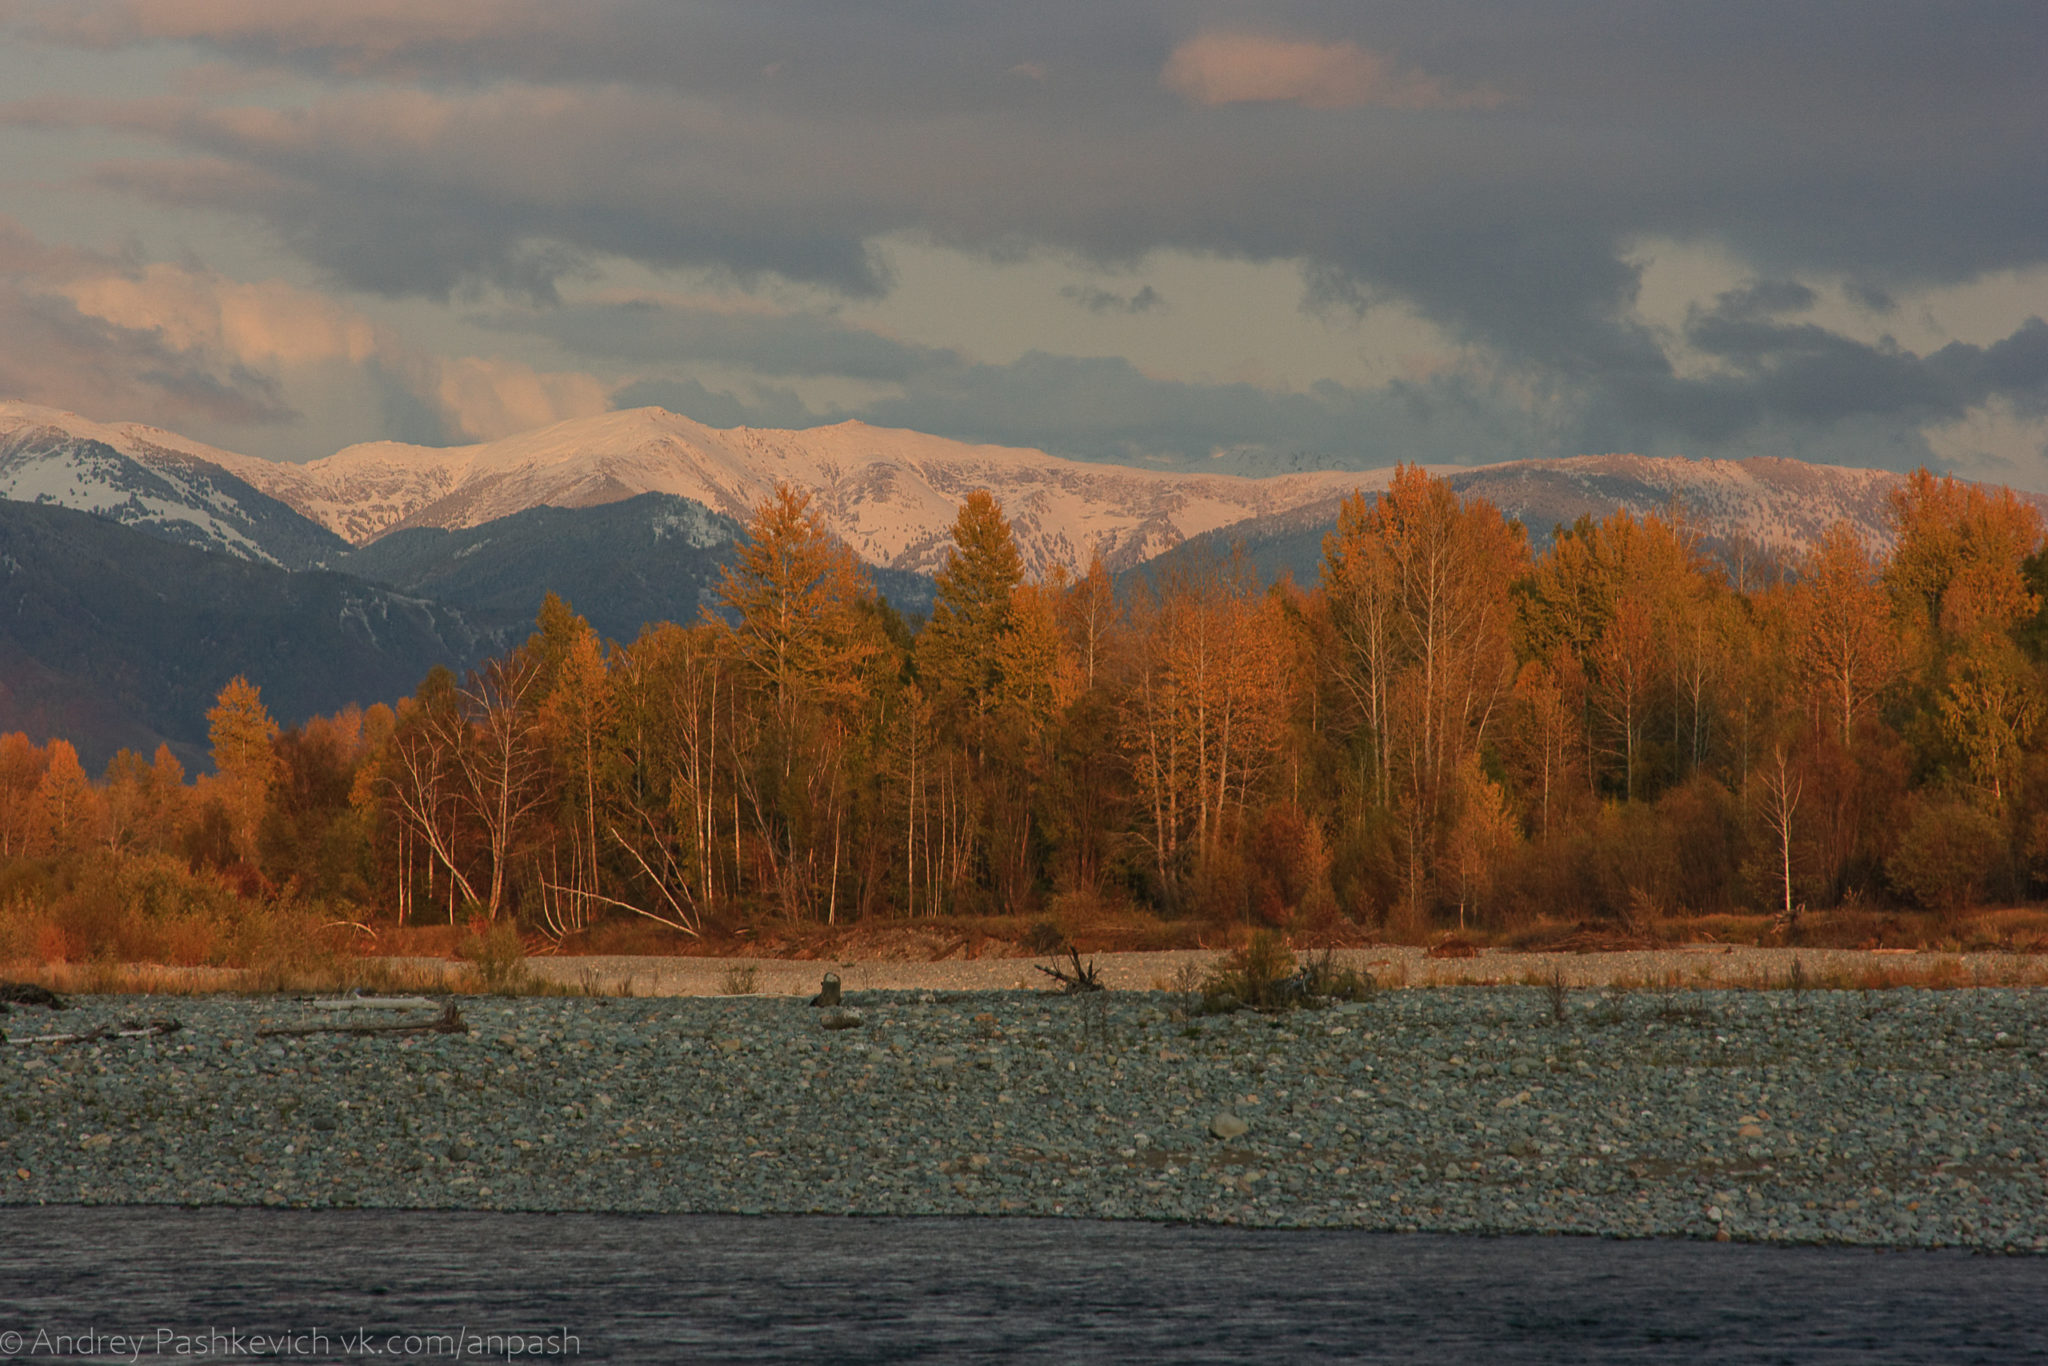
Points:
(1894, 1118)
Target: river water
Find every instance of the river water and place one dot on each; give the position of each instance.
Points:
(175, 1284)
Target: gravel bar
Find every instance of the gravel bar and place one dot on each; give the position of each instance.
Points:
(1398, 965)
(1892, 1118)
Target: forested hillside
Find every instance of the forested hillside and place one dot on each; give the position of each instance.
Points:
(1446, 731)
(114, 637)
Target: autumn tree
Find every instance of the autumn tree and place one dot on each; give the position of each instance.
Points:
(577, 713)
(1091, 616)
(962, 655)
(73, 812)
(1541, 738)
(1782, 788)
(500, 763)
(809, 635)
(1957, 568)
(1205, 713)
(22, 818)
(676, 706)
(1418, 590)
(1842, 627)
(242, 734)
(312, 836)
(417, 774)
(796, 596)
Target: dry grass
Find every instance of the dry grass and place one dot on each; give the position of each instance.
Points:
(374, 976)
(1940, 974)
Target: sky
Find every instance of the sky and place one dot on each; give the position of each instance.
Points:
(1191, 235)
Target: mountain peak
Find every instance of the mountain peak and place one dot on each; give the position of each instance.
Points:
(892, 493)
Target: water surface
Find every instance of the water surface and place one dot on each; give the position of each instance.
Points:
(693, 1288)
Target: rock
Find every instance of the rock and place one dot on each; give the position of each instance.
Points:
(828, 993)
(1227, 1126)
(839, 1017)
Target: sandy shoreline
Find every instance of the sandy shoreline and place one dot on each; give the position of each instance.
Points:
(1695, 966)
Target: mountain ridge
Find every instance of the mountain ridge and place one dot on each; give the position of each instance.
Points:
(892, 494)
(115, 637)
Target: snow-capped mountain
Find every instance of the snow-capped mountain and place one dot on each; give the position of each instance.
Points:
(892, 495)
(154, 481)
(1773, 503)
(1768, 505)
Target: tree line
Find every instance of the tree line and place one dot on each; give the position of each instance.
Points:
(1446, 729)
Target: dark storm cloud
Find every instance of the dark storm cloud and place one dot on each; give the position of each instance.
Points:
(1497, 178)
(1094, 407)
(775, 344)
(1778, 372)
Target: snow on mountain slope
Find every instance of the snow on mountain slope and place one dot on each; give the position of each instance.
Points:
(892, 495)
(154, 480)
(1777, 504)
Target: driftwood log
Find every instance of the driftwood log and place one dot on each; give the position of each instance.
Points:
(449, 1021)
(1075, 979)
(375, 1003)
(127, 1029)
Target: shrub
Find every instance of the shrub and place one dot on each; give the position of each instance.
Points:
(496, 952)
(1263, 976)
(1947, 853)
(1251, 976)
(1325, 979)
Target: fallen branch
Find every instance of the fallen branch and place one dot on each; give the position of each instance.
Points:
(127, 1029)
(375, 1003)
(1079, 980)
(449, 1021)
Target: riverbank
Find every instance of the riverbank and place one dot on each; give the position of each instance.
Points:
(1685, 967)
(1691, 967)
(1892, 1118)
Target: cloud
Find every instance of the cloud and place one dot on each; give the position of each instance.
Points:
(1213, 69)
(485, 398)
(360, 36)
(513, 149)
(268, 323)
(1098, 300)
(767, 341)
(1777, 385)
(760, 406)
(58, 348)
(513, 189)
(179, 344)
(1091, 407)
